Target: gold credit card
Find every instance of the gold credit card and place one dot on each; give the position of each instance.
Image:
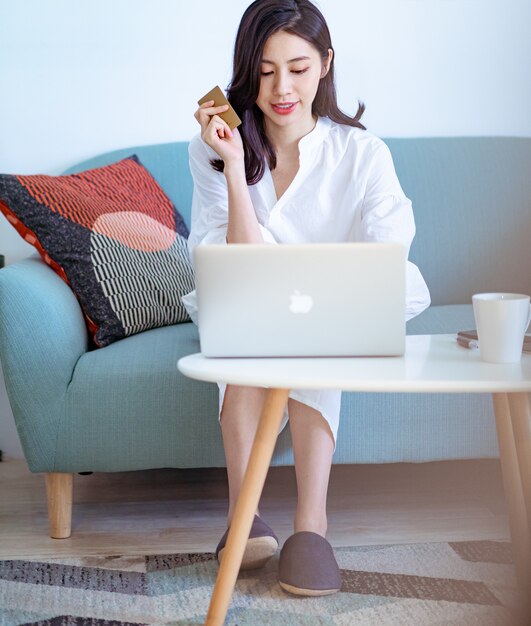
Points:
(229, 116)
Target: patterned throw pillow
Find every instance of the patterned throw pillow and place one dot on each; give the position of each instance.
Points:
(114, 236)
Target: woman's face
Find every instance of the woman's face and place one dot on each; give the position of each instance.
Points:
(290, 73)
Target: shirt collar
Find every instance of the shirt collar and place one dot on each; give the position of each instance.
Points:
(315, 137)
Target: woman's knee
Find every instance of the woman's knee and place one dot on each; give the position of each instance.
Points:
(298, 410)
(243, 399)
(303, 417)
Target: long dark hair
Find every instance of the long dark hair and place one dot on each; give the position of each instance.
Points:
(262, 19)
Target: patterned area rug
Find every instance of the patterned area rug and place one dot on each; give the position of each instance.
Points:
(464, 583)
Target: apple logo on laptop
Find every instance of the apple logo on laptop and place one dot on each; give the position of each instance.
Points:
(300, 303)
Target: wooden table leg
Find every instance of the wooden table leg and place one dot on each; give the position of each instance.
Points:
(520, 408)
(253, 483)
(511, 419)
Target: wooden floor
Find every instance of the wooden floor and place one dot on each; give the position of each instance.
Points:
(164, 511)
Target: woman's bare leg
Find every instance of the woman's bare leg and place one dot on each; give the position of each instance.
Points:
(240, 415)
(313, 448)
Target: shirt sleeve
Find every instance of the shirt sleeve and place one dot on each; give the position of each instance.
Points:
(387, 216)
(210, 211)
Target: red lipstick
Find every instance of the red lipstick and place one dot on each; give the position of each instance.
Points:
(284, 108)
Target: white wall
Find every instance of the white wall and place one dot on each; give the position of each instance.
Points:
(78, 79)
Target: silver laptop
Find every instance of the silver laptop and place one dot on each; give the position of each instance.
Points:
(301, 300)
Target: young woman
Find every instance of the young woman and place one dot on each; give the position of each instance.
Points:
(297, 170)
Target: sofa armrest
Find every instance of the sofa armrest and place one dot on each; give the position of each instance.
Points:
(42, 336)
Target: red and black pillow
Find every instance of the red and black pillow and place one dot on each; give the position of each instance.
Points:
(114, 236)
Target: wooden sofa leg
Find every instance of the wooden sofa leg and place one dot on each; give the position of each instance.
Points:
(59, 489)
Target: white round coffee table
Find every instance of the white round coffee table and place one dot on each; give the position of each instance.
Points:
(431, 364)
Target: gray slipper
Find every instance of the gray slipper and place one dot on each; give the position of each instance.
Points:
(307, 566)
(261, 545)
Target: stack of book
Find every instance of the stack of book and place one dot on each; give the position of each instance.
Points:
(469, 339)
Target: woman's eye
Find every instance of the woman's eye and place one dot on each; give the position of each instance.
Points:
(294, 72)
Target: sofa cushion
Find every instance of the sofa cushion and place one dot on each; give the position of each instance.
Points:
(161, 418)
(114, 236)
(132, 408)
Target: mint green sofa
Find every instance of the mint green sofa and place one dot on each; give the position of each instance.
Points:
(126, 407)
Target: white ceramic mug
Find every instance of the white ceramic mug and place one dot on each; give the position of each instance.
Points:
(501, 322)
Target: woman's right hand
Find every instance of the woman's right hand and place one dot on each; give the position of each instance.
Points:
(217, 134)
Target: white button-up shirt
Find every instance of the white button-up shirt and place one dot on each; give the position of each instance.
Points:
(346, 189)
